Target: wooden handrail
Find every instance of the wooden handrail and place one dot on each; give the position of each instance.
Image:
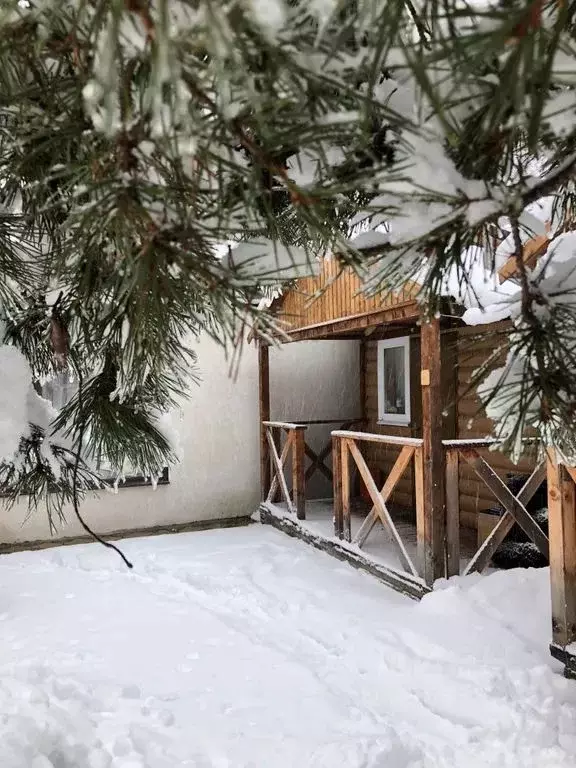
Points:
(283, 425)
(473, 442)
(480, 442)
(340, 420)
(371, 437)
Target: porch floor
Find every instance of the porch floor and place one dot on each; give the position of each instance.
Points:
(379, 546)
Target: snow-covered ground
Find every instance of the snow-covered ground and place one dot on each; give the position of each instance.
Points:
(244, 648)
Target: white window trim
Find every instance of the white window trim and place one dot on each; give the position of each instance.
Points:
(393, 418)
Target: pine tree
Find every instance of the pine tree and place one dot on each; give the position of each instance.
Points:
(139, 139)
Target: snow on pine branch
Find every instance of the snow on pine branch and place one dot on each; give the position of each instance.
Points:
(535, 388)
(26, 416)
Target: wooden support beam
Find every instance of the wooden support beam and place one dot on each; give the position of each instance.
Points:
(362, 357)
(419, 501)
(452, 513)
(408, 312)
(345, 480)
(362, 379)
(532, 250)
(337, 486)
(434, 515)
(298, 473)
(562, 532)
(264, 415)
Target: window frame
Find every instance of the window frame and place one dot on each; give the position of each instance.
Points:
(398, 419)
(129, 480)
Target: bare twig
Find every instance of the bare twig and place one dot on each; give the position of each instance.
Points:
(75, 500)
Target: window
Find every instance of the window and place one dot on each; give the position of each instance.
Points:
(59, 390)
(394, 381)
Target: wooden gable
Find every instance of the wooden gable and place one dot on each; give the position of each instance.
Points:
(336, 293)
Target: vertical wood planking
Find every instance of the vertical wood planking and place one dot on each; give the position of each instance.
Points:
(331, 312)
(264, 415)
(337, 486)
(562, 535)
(337, 298)
(452, 514)
(433, 452)
(298, 473)
(338, 308)
(349, 295)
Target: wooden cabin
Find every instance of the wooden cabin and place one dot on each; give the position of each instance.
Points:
(419, 453)
(392, 371)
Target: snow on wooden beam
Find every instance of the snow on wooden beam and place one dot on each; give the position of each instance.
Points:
(341, 550)
(533, 249)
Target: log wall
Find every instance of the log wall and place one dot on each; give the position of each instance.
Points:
(475, 345)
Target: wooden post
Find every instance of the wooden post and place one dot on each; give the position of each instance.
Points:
(299, 473)
(419, 503)
(345, 480)
(337, 486)
(362, 404)
(452, 514)
(562, 535)
(433, 452)
(264, 411)
(362, 378)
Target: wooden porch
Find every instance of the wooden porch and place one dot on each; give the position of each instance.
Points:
(434, 457)
(414, 544)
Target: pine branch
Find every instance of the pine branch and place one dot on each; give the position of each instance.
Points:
(75, 498)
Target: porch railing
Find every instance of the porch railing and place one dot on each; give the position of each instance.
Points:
(296, 448)
(294, 445)
(346, 445)
(514, 505)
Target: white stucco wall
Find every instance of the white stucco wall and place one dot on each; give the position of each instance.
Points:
(315, 380)
(219, 473)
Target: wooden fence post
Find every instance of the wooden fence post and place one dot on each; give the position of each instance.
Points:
(452, 514)
(337, 486)
(562, 536)
(345, 480)
(298, 473)
(264, 411)
(434, 521)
